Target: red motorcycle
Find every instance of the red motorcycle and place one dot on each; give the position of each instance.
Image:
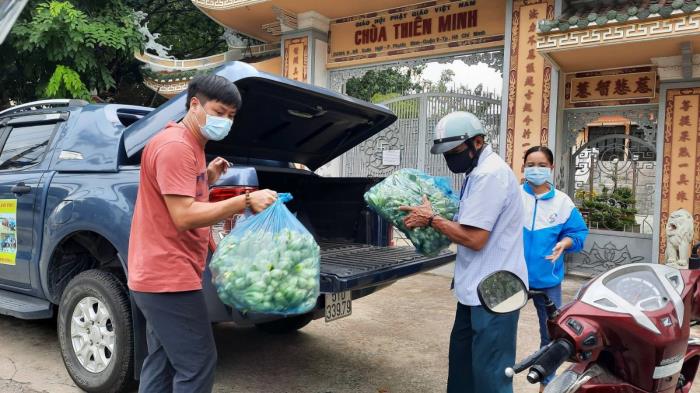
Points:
(627, 331)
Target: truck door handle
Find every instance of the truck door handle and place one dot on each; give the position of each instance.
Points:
(21, 189)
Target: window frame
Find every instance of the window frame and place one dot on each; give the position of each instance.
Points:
(6, 131)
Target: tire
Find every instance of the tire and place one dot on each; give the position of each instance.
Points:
(286, 325)
(101, 293)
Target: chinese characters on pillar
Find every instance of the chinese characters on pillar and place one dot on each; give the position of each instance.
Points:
(530, 72)
(680, 164)
(530, 83)
(684, 124)
(616, 86)
(296, 58)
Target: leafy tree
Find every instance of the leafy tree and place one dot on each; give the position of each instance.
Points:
(84, 48)
(479, 90)
(387, 81)
(446, 77)
(185, 29)
(60, 50)
(181, 25)
(406, 109)
(66, 83)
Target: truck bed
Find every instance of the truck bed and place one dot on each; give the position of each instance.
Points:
(346, 266)
(353, 239)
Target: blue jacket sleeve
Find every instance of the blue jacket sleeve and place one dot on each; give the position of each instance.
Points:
(575, 229)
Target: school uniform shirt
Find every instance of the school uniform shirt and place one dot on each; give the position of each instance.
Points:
(548, 219)
(491, 201)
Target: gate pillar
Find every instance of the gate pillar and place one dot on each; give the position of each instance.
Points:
(680, 183)
(530, 78)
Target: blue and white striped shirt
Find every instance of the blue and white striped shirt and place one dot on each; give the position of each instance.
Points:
(491, 201)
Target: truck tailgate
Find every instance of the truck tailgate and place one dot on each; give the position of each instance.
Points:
(349, 266)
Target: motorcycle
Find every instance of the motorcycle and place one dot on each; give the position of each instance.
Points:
(627, 331)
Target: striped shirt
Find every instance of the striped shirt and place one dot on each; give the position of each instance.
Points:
(491, 201)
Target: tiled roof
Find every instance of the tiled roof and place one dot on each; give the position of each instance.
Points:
(581, 14)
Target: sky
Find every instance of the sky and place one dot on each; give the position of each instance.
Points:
(467, 75)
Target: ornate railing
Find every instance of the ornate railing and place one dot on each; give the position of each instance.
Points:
(225, 4)
(209, 61)
(167, 89)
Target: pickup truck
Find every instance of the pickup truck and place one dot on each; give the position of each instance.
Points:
(69, 176)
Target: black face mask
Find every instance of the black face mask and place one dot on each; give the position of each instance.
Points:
(461, 162)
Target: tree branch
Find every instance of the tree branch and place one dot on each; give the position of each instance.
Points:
(210, 49)
(159, 7)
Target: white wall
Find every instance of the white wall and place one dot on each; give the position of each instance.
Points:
(320, 77)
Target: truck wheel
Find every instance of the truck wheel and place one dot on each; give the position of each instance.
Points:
(286, 325)
(95, 332)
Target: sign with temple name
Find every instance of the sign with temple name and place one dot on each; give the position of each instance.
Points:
(423, 29)
(632, 87)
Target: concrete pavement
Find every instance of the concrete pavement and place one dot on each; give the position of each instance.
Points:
(395, 342)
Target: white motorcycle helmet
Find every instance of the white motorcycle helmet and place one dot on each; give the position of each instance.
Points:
(455, 128)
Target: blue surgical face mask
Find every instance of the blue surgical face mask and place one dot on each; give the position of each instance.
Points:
(538, 175)
(215, 128)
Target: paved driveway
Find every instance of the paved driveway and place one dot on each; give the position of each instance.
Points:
(395, 342)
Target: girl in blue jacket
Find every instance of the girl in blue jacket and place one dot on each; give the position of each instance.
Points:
(552, 226)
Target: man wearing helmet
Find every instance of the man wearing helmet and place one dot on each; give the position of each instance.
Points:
(488, 234)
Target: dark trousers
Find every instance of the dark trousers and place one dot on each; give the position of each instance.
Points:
(181, 349)
(554, 294)
(482, 346)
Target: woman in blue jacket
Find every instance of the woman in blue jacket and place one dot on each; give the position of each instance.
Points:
(553, 225)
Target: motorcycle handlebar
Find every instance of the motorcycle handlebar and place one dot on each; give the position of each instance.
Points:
(527, 362)
(553, 357)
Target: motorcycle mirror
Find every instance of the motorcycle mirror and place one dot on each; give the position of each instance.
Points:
(502, 292)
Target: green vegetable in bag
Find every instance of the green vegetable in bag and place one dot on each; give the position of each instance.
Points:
(406, 187)
(269, 263)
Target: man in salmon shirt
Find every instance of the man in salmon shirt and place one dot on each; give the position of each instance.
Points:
(169, 238)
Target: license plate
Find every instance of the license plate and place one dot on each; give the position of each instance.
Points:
(338, 305)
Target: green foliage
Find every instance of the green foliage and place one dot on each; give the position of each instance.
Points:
(183, 26)
(390, 80)
(66, 83)
(446, 77)
(443, 85)
(169, 75)
(406, 109)
(614, 211)
(57, 46)
(81, 44)
(392, 83)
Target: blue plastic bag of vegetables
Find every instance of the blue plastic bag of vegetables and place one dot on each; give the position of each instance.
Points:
(269, 263)
(406, 187)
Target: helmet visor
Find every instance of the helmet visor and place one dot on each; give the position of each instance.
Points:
(442, 146)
